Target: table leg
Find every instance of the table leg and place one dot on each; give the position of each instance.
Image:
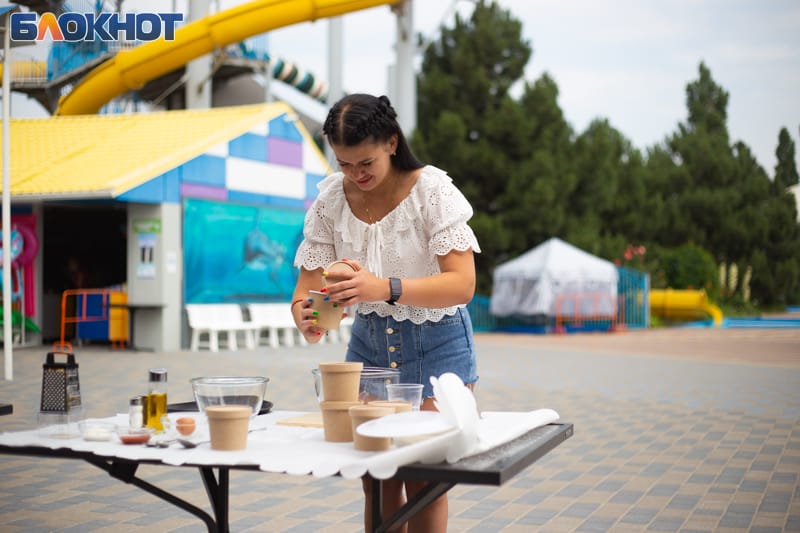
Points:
(377, 502)
(218, 494)
(126, 472)
(413, 506)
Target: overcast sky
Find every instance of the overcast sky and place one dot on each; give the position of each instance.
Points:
(626, 60)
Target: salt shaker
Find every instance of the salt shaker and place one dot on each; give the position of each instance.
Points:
(136, 412)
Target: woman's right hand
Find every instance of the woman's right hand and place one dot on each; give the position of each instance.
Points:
(308, 322)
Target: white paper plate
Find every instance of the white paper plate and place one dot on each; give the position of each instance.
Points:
(402, 425)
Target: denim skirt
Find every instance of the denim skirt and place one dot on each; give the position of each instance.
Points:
(419, 351)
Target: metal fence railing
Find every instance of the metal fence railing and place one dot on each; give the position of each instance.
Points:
(630, 311)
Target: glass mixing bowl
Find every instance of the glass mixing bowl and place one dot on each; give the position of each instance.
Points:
(229, 390)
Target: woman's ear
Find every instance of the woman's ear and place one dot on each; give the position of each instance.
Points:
(391, 144)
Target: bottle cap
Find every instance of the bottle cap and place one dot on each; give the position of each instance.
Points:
(158, 374)
(137, 400)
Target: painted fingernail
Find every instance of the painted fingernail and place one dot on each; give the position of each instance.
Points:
(325, 274)
(335, 305)
(310, 300)
(314, 321)
(326, 299)
(319, 334)
(324, 289)
(315, 313)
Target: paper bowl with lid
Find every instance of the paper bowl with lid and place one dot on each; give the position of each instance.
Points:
(229, 390)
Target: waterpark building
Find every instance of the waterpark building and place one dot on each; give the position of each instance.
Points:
(169, 207)
(163, 198)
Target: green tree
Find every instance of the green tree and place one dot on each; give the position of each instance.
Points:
(468, 123)
(535, 205)
(785, 169)
(719, 198)
(694, 201)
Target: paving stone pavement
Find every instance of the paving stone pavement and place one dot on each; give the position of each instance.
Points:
(675, 430)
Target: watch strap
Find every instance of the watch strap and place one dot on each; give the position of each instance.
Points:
(395, 290)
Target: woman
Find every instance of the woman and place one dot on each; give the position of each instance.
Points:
(403, 227)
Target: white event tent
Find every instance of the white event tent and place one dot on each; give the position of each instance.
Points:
(554, 279)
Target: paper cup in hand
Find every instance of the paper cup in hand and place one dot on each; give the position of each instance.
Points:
(333, 269)
(329, 312)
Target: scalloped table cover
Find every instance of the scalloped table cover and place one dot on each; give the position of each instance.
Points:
(298, 450)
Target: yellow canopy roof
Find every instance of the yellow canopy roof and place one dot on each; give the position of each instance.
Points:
(103, 156)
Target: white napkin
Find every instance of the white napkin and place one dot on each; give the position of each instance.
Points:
(497, 427)
(457, 404)
(480, 433)
(384, 465)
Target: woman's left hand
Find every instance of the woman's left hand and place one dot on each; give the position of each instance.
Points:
(359, 286)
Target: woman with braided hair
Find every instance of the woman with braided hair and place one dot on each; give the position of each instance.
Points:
(402, 225)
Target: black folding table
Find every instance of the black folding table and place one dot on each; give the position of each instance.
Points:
(493, 467)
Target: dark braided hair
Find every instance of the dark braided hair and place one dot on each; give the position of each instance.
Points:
(362, 117)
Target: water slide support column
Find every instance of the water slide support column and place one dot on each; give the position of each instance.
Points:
(8, 350)
(404, 93)
(198, 72)
(335, 71)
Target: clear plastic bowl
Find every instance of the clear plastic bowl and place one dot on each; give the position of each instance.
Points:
(229, 390)
(372, 385)
(97, 430)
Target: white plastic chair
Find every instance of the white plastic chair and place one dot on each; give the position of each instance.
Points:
(274, 319)
(209, 320)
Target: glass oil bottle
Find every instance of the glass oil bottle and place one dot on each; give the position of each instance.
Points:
(156, 398)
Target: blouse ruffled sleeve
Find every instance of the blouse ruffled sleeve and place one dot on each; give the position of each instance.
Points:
(317, 249)
(449, 212)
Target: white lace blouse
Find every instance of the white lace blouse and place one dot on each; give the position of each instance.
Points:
(431, 221)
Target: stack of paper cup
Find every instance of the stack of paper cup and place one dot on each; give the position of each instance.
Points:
(340, 392)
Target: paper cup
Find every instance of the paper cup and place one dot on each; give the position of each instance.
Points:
(329, 312)
(336, 423)
(227, 426)
(334, 268)
(340, 381)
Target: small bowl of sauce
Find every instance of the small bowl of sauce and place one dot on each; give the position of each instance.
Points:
(134, 435)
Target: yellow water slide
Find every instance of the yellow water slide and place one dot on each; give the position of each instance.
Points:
(131, 69)
(683, 305)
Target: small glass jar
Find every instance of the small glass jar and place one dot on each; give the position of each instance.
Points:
(136, 412)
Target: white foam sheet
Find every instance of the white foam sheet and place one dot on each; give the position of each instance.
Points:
(302, 451)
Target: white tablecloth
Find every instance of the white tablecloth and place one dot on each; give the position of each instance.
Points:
(295, 450)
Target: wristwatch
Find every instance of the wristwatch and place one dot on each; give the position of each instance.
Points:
(395, 290)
